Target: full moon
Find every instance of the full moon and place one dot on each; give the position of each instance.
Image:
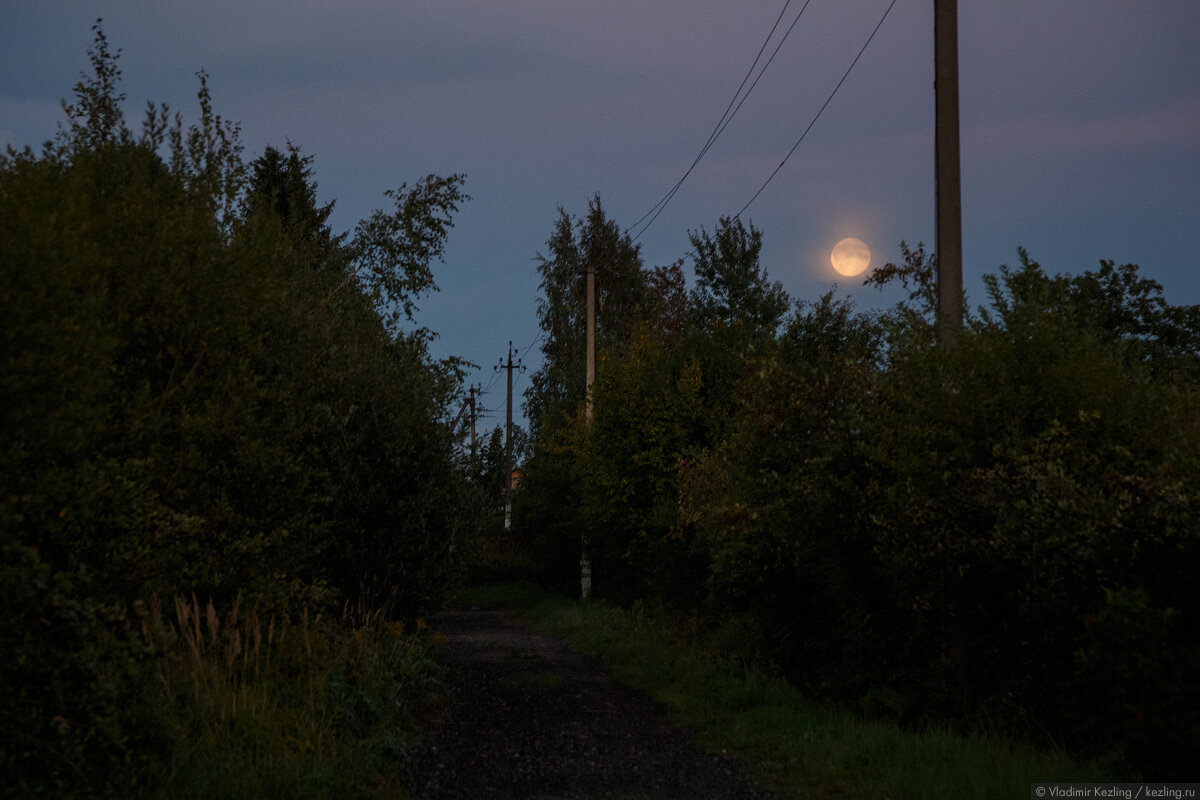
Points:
(851, 257)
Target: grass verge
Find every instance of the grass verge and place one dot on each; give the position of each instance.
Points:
(789, 743)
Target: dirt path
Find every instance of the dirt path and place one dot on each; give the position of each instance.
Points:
(530, 718)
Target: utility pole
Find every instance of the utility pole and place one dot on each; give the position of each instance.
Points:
(585, 561)
(471, 392)
(949, 179)
(591, 339)
(468, 403)
(508, 457)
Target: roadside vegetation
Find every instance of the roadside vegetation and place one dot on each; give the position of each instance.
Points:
(998, 537)
(791, 743)
(231, 491)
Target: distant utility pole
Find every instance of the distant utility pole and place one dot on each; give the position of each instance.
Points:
(471, 392)
(949, 179)
(585, 561)
(468, 403)
(508, 455)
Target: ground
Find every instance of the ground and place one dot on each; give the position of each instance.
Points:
(530, 718)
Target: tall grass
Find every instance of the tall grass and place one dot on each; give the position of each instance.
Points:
(790, 743)
(304, 707)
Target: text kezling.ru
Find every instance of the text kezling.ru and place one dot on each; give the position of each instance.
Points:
(1127, 791)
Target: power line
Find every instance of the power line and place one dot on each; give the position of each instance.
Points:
(540, 336)
(765, 66)
(819, 112)
(730, 111)
(725, 119)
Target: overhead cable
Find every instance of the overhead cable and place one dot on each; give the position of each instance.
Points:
(735, 104)
(538, 338)
(819, 112)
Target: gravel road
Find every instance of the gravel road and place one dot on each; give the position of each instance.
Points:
(530, 718)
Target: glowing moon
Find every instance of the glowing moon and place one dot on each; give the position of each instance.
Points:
(851, 257)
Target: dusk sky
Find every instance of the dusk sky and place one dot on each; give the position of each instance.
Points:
(1080, 125)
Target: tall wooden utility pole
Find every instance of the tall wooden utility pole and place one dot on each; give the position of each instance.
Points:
(591, 339)
(508, 457)
(949, 179)
(585, 561)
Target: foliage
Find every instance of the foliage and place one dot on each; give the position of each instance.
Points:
(667, 302)
(925, 532)
(200, 703)
(394, 249)
(777, 505)
(78, 715)
(546, 509)
(1060, 471)
(668, 360)
(731, 287)
(1117, 304)
(918, 276)
(596, 244)
(648, 408)
(205, 390)
(283, 188)
(546, 504)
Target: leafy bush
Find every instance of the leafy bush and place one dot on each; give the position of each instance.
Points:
(79, 715)
(205, 391)
(923, 531)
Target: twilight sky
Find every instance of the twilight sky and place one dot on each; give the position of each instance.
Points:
(1080, 125)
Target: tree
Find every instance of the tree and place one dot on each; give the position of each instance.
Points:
(283, 185)
(918, 276)
(199, 395)
(647, 413)
(95, 118)
(1120, 305)
(667, 301)
(732, 288)
(576, 246)
(776, 501)
(393, 250)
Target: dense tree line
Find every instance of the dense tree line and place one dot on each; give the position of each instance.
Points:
(205, 391)
(1001, 533)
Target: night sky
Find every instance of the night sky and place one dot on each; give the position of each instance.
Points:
(1080, 125)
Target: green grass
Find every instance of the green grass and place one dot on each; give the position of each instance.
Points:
(789, 743)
